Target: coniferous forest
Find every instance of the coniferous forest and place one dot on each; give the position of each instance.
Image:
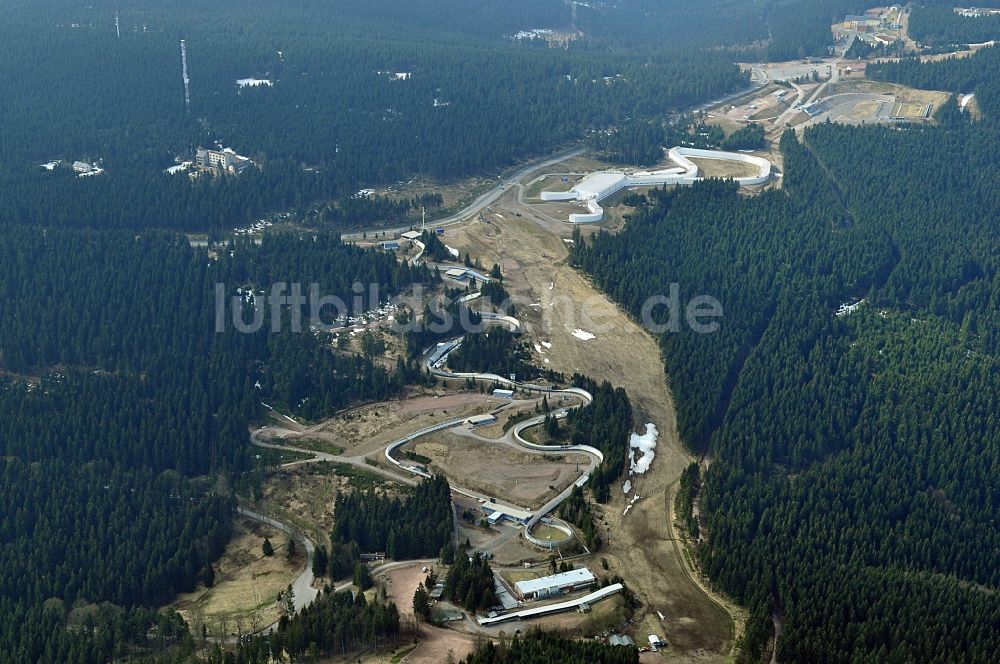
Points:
(120, 403)
(416, 526)
(852, 493)
(851, 488)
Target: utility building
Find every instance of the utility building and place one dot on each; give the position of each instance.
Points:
(556, 584)
(505, 513)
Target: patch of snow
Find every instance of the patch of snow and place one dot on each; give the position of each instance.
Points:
(547, 344)
(179, 168)
(583, 335)
(452, 251)
(253, 82)
(627, 487)
(849, 308)
(646, 445)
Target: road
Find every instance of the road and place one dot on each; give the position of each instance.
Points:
(303, 585)
(484, 200)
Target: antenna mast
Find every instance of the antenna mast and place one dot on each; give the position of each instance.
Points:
(184, 74)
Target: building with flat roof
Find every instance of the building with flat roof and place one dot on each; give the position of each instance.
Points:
(620, 640)
(389, 245)
(510, 513)
(556, 584)
(458, 273)
(481, 420)
(225, 160)
(411, 235)
(503, 394)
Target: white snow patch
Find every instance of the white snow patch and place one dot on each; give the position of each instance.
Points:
(583, 335)
(179, 168)
(627, 487)
(646, 445)
(253, 82)
(452, 251)
(632, 502)
(849, 308)
(547, 344)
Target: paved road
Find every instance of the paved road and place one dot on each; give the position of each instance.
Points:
(357, 461)
(484, 200)
(302, 587)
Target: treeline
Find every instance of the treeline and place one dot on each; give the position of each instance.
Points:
(358, 209)
(496, 350)
(470, 583)
(416, 526)
(937, 23)
(605, 423)
(336, 119)
(539, 646)
(974, 74)
(577, 511)
(749, 137)
(121, 405)
(335, 624)
(690, 484)
(849, 488)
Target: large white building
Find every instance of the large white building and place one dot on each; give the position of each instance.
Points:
(555, 585)
(596, 187)
(224, 160)
(499, 512)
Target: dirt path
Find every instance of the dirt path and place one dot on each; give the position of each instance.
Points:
(558, 302)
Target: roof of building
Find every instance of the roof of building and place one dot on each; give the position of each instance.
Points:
(509, 511)
(503, 391)
(547, 609)
(570, 578)
(456, 272)
(411, 235)
(620, 640)
(482, 419)
(654, 640)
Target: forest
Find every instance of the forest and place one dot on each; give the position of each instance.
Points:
(335, 624)
(367, 107)
(604, 423)
(417, 526)
(850, 491)
(121, 407)
(937, 24)
(496, 351)
(469, 583)
(538, 646)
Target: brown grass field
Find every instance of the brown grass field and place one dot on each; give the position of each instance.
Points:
(247, 583)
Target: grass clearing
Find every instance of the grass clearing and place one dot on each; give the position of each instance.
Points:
(244, 596)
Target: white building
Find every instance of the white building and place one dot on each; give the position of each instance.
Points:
(555, 585)
(598, 186)
(224, 160)
(503, 394)
(481, 420)
(511, 513)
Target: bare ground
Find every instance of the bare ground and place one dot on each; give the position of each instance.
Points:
(501, 470)
(642, 549)
(435, 642)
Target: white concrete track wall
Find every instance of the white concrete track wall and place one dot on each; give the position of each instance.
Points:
(600, 185)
